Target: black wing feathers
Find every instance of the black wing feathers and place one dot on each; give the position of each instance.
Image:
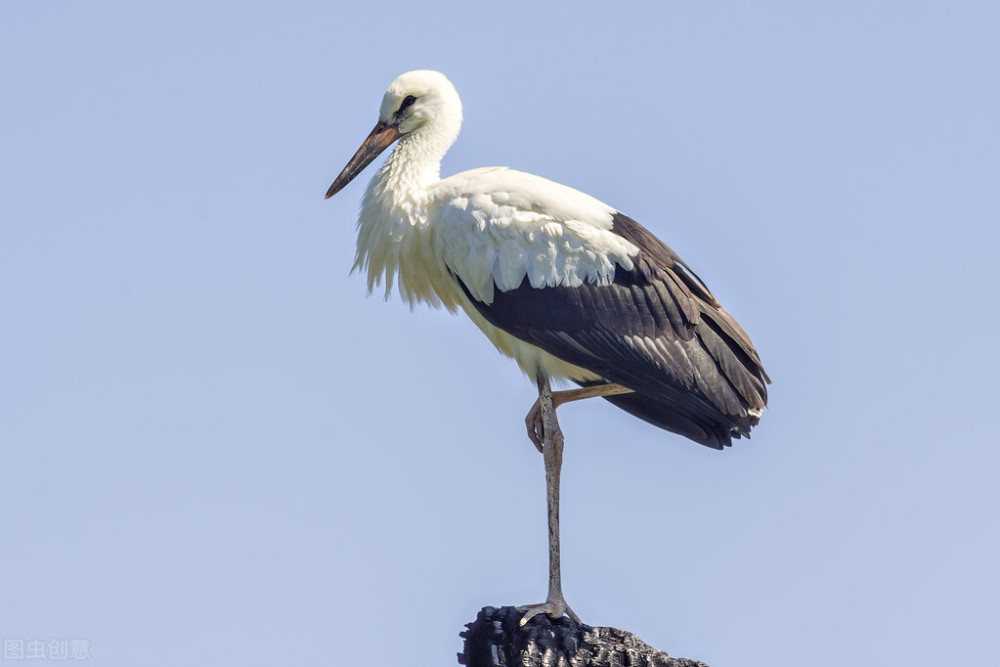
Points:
(655, 329)
(657, 256)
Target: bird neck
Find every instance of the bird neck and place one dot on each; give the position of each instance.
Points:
(394, 234)
(414, 164)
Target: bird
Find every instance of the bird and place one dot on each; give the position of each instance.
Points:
(566, 285)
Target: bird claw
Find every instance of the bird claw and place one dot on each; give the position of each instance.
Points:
(552, 608)
(536, 429)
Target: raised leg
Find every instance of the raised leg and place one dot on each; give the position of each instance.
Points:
(534, 419)
(552, 450)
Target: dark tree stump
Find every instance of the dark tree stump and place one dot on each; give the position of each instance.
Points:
(495, 639)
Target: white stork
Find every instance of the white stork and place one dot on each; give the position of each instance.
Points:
(563, 283)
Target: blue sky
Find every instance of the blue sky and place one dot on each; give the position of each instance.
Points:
(216, 449)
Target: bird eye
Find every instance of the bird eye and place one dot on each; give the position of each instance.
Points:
(407, 101)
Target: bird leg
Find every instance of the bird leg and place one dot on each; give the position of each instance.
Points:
(552, 449)
(534, 419)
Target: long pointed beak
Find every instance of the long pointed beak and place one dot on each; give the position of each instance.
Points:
(380, 138)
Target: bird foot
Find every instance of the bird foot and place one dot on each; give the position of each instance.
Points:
(553, 608)
(536, 428)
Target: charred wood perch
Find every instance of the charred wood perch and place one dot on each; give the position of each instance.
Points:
(496, 639)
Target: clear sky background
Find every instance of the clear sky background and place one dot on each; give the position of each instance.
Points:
(216, 449)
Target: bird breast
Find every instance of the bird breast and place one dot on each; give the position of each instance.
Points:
(395, 245)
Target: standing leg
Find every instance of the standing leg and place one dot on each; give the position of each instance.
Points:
(552, 450)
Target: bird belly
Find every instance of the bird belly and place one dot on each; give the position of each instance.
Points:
(533, 360)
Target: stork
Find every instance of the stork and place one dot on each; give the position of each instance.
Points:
(566, 285)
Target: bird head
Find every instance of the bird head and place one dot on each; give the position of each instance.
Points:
(422, 103)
